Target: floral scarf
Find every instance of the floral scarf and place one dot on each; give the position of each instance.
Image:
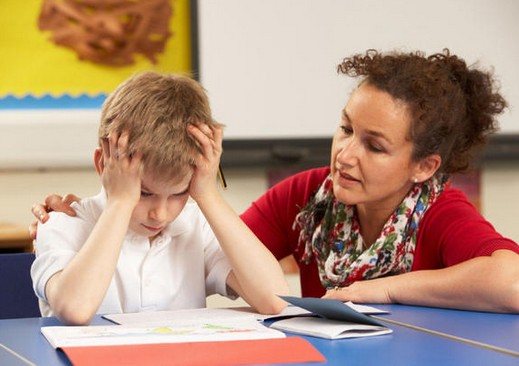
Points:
(330, 231)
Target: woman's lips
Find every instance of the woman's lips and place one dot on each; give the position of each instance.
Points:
(346, 179)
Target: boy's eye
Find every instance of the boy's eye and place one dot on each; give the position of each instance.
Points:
(180, 194)
(145, 194)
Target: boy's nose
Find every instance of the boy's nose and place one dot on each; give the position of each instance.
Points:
(159, 212)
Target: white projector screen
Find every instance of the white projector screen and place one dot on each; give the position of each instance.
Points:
(270, 65)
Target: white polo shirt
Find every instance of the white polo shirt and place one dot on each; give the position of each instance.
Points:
(182, 266)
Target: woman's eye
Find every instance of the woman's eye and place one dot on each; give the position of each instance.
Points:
(145, 194)
(376, 148)
(346, 130)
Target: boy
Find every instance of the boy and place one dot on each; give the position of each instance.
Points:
(139, 245)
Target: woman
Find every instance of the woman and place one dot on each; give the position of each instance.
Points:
(381, 224)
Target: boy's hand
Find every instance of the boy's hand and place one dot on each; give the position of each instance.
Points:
(121, 171)
(203, 181)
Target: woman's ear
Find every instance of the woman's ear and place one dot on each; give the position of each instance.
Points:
(99, 161)
(426, 168)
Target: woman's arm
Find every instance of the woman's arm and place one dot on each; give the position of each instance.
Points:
(76, 292)
(256, 275)
(486, 283)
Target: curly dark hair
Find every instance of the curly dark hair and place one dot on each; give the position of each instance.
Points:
(453, 106)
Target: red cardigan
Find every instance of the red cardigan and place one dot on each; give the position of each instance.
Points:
(451, 231)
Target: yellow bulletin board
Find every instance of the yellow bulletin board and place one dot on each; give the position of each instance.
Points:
(31, 64)
(51, 94)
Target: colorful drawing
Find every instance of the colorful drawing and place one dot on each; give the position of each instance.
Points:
(39, 58)
(186, 331)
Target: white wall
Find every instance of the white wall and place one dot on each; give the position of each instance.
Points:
(500, 197)
(283, 53)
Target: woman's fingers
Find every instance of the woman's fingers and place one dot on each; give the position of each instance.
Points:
(53, 202)
(33, 229)
(40, 212)
(69, 198)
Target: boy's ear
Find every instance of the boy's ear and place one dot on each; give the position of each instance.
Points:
(99, 162)
(426, 167)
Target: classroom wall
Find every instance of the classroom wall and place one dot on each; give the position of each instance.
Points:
(20, 189)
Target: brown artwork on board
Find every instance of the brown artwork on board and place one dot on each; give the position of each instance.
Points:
(109, 32)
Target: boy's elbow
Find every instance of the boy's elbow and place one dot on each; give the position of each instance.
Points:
(72, 315)
(274, 305)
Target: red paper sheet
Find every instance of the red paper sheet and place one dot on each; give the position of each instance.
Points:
(263, 351)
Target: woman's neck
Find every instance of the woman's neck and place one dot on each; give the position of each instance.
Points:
(372, 222)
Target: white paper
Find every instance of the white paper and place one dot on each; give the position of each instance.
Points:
(365, 309)
(154, 317)
(187, 330)
(212, 313)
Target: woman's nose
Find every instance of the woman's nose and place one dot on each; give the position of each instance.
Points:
(348, 152)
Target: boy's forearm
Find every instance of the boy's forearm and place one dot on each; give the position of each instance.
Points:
(258, 273)
(77, 292)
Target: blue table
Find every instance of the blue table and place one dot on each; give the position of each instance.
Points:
(498, 331)
(404, 346)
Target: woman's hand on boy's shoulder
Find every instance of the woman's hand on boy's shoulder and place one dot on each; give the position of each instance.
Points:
(53, 202)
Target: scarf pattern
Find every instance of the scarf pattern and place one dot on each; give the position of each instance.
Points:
(330, 231)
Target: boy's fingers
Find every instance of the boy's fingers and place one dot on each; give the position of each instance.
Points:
(218, 133)
(111, 150)
(120, 146)
(105, 149)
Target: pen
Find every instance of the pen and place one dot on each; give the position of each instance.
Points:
(221, 177)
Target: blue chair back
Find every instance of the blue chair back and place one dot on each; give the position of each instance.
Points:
(17, 298)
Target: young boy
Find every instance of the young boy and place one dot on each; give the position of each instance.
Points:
(139, 245)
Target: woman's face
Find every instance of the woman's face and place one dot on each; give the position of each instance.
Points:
(371, 156)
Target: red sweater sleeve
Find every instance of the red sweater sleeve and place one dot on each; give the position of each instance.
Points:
(453, 231)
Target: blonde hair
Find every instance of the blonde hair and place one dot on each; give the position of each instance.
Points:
(156, 109)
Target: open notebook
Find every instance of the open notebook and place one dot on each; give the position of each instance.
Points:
(331, 319)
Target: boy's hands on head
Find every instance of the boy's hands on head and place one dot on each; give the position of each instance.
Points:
(203, 181)
(120, 171)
